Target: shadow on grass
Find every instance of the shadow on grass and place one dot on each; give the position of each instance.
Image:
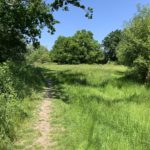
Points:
(26, 79)
(134, 98)
(59, 78)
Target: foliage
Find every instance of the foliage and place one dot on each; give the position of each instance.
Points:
(40, 55)
(80, 48)
(110, 44)
(134, 49)
(22, 21)
(18, 83)
(98, 108)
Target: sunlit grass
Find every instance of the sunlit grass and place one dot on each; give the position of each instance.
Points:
(99, 108)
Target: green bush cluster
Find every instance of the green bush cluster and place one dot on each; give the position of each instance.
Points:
(5, 88)
(40, 55)
(134, 48)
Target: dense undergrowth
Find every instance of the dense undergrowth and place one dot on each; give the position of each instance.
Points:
(99, 108)
(20, 86)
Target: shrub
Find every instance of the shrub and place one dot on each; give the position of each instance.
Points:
(40, 55)
(134, 49)
(148, 76)
(141, 68)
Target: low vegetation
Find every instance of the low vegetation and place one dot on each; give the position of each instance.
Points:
(99, 108)
(38, 55)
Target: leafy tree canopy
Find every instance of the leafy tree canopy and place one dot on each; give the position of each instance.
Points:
(110, 44)
(80, 48)
(21, 22)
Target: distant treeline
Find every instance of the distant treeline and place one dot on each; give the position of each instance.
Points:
(129, 46)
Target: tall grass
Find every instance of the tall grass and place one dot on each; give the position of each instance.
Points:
(99, 108)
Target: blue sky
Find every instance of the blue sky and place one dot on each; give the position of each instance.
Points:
(108, 16)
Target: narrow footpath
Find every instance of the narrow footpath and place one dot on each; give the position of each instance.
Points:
(37, 135)
(43, 124)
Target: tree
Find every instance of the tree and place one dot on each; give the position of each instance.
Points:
(90, 49)
(134, 49)
(61, 51)
(80, 48)
(21, 23)
(110, 44)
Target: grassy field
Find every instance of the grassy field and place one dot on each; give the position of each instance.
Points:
(98, 108)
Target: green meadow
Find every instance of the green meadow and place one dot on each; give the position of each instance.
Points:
(98, 108)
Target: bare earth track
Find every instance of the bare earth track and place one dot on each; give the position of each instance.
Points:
(37, 134)
(43, 122)
(43, 125)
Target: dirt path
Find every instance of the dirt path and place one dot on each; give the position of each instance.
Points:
(37, 134)
(43, 125)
